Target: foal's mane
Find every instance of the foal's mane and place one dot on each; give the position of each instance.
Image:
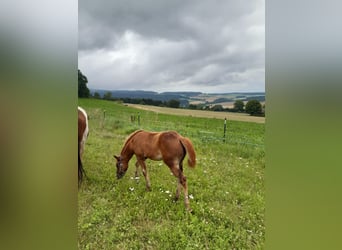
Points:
(129, 139)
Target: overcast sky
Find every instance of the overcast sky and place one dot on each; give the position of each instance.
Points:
(212, 46)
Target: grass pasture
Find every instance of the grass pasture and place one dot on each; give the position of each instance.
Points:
(226, 187)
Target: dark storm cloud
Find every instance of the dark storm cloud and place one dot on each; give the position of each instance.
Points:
(172, 45)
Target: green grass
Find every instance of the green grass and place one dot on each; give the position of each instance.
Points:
(227, 185)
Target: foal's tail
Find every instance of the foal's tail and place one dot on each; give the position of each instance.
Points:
(190, 150)
(80, 167)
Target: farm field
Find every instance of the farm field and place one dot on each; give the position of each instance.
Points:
(200, 113)
(226, 188)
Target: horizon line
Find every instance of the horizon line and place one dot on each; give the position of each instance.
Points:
(185, 91)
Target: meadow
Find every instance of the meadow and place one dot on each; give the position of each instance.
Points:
(226, 188)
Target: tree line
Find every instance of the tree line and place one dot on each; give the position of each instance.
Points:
(252, 107)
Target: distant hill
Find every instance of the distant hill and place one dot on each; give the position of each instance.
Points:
(184, 97)
(165, 96)
(227, 99)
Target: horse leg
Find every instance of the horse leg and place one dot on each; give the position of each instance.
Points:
(137, 169)
(144, 170)
(178, 172)
(179, 187)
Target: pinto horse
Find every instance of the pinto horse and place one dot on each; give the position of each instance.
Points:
(82, 137)
(168, 146)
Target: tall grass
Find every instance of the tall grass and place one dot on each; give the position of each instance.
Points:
(226, 187)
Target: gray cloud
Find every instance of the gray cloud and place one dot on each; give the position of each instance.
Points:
(208, 45)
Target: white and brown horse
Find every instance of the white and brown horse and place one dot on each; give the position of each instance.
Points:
(168, 146)
(83, 131)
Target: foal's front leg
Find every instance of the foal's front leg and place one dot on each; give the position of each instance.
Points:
(144, 170)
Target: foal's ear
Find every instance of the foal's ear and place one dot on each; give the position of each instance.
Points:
(116, 157)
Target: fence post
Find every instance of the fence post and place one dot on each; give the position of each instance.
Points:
(224, 129)
(103, 120)
(139, 118)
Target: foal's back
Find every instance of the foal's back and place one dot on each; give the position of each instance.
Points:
(155, 139)
(157, 145)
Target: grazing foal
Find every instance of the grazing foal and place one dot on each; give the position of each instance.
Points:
(82, 137)
(168, 146)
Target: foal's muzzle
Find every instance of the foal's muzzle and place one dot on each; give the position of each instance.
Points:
(120, 172)
(120, 175)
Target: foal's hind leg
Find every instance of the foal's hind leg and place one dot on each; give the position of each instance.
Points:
(178, 172)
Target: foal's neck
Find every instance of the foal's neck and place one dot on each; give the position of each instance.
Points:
(127, 153)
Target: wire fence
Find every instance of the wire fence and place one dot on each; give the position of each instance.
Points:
(225, 133)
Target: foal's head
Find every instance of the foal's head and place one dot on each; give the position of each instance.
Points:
(121, 167)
